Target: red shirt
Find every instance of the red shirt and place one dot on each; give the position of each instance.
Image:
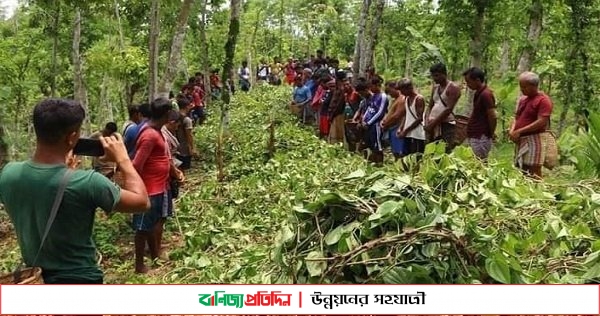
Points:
(478, 122)
(352, 97)
(152, 160)
(530, 108)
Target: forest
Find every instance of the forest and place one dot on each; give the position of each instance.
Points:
(268, 201)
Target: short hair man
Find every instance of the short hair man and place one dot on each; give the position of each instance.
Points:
(481, 129)
(135, 117)
(411, 128)
(532, 119)
(185, 133)
(154, 164)
(376, 107)
(68, 255)
(440, 122)
(131, 134)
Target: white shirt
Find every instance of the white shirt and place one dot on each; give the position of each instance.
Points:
(410, 117)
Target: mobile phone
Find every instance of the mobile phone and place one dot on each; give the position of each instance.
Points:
(89, 147)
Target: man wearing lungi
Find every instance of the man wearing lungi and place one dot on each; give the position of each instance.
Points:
(532, 119)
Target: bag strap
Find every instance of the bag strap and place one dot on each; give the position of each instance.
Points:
(410, 105)
(440, 96)
(57, 201)
(17, 274)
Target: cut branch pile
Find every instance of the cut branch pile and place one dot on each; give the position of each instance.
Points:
(453, 221)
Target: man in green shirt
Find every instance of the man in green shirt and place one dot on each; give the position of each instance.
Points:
(28, 189)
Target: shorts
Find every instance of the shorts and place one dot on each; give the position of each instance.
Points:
(396, 143)
(414, 146)
(373, 137)
(161, 206)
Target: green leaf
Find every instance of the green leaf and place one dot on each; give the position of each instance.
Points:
(356, 175)
(498, 269)
(315, 268)
(202, 262)
(430, 250)
(334, 235)
(395, 276)
(593, 272)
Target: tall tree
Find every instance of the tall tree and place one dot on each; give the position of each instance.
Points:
(176, 47)
(477, 32)
(55, 33)
(578, 93)
(360, 38)
(367, 56)
(153, 50)
(204, 58)
(234, 30)
(536, 13)
(78, 81)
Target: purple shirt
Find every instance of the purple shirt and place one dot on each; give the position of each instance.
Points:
(376, 108)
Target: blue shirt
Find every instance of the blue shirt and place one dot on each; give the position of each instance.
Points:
(376, 108)
(312, 86)
(130, 137)
(302, 94)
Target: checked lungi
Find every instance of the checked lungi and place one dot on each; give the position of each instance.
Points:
(530, 151)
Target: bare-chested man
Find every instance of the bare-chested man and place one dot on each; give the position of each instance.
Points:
(440, 123)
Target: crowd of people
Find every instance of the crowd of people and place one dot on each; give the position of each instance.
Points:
(370, 115)
(141, 171)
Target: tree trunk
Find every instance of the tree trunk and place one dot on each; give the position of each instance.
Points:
(3, 147)
(476, 35)
(367, 57)
(168, 77)
(79, 90)
(204, 51)
(153, 50)
(234, 30)
(568, 90)
(252, 45)
(360, 39)
(104, 99)
(126, 83)
(533, 36)
(408, 62)
(55, 25)
(281, 20)
(505, 57)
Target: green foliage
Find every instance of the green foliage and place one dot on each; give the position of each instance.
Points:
(453, 221)
(588, 154)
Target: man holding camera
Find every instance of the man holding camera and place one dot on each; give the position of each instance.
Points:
(68, 254)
